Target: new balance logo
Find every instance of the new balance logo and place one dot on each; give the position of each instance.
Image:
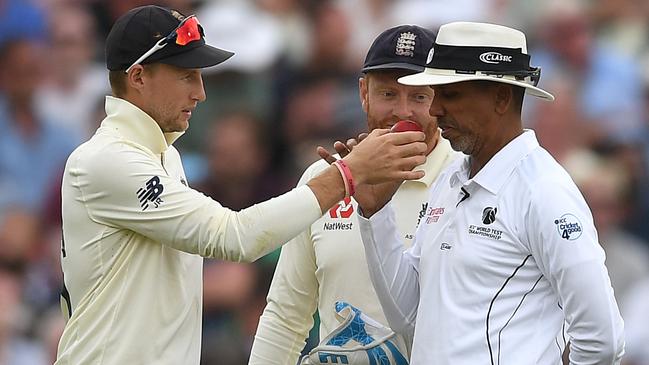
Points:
(150, 193)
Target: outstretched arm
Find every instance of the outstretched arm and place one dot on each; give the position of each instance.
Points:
(187, 220)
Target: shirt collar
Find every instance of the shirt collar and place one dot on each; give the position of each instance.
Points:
(459, 172)
(137, 126)
(496, 172)
(434, 161)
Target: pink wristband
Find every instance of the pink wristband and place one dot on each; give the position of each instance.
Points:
(346, 173)
(342, 175)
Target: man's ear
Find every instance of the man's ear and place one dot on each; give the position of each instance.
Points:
(134, 77)
(363, 92)
(503, 98)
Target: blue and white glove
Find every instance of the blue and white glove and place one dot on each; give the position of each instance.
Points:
(359, 340)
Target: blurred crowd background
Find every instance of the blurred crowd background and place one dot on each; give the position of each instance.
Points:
(291, 86)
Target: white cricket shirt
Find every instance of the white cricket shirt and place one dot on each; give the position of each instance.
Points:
(326, 263)
(134, 234)
(494, 271)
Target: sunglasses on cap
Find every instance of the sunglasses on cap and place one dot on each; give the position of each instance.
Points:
(187, 31)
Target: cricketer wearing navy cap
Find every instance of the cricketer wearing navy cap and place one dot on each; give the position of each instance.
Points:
(150, 34)
(397, 52)
(404, 47)
(325, 263)
(135, 233)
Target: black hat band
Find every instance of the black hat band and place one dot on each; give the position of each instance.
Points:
(472, 59)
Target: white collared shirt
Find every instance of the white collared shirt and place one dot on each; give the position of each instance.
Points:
(134, 237)
(499, 262)
(326, 263)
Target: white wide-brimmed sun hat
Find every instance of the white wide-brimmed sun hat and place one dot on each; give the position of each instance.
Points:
(467, 51)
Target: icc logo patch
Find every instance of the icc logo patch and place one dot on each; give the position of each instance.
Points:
(569, 227)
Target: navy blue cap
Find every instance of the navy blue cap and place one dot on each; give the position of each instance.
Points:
(404, 47)
(139, 29)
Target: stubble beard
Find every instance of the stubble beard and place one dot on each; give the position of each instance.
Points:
(462, 144)
(170, 123)
(175, 126)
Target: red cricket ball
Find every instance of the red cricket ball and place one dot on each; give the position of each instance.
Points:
(406, 125)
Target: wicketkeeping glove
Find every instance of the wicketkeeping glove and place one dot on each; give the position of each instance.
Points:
(359, 340)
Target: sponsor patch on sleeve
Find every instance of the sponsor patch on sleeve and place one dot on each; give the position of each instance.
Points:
(569, 226)
(149, 194)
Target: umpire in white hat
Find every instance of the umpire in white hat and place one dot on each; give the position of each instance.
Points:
(506, 267)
